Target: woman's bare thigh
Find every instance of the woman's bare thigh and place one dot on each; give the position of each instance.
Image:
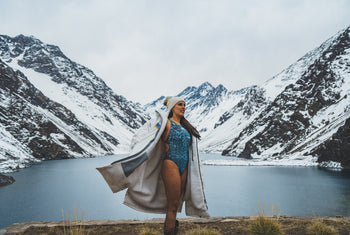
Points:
(172, 180)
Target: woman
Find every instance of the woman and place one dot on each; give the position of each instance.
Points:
(163, 169)
(177, 139)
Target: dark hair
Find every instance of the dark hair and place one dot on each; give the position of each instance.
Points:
(186, 124)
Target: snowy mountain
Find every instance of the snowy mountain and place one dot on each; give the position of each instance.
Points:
(53, 108)
(292, 116)
(203, 101)
(308, 111)
(209, 107)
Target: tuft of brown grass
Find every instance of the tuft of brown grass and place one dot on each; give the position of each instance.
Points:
(319, 228)
(74, 226)
(149, 231)
(271, 211)
(203, 231)
(265, 226)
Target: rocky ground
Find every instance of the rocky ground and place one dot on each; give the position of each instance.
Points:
(6, 180)
(224, 225)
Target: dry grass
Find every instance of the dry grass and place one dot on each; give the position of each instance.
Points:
(265, 226)
(149, 231)
(203, 231)
(319, 228)
(73, 225)
(233, 225)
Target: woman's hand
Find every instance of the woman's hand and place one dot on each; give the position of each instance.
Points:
(166, 147)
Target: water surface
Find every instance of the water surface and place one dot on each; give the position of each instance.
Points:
(42, 191)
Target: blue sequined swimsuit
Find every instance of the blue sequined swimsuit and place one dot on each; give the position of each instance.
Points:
(179, 141)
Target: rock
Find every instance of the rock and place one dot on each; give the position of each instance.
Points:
(337, 148)
(6, 180)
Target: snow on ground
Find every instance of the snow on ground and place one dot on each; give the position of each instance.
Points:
(285, 161)
(13, 154)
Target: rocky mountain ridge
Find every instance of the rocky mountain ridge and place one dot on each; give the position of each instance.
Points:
(54, 108)
(305, 112)
(38, 128)
(290, 116)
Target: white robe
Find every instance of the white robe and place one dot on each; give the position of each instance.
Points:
(140, 172)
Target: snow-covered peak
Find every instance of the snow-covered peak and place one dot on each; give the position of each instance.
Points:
(109, 118)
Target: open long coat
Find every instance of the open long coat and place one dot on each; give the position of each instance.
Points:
(140, 172)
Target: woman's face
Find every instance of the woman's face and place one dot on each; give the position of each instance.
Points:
(179, 109)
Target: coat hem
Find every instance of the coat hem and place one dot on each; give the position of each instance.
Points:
(153, 211)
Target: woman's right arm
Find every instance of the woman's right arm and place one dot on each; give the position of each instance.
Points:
(166, 134)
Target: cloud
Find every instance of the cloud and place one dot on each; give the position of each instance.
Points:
(144, 49)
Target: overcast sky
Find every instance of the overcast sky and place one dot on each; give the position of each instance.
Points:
(144, 49)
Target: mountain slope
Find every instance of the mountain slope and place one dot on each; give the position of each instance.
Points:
(34, 127)
(337, 148)
(306, 112)
(63, 101)
(72, 85)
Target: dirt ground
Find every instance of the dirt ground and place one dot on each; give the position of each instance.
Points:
(224, 225)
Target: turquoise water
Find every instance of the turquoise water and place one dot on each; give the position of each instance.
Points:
(42, 191)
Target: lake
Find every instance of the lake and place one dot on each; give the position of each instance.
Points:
(44, 190)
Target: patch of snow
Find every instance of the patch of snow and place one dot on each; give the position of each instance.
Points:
(260, 161)
(13, 155)
(331, 164)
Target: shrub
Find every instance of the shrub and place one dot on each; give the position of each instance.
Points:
(265, 226)
(74, 226)
(200, 231)
(319, 228)
(149, 231)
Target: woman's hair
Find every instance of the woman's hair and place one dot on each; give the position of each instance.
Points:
(186, 124)
(166, 101)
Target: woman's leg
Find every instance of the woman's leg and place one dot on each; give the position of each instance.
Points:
(183, 180)
(172, 182)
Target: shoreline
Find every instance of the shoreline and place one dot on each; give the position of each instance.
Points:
(225, 225)
(333, 166)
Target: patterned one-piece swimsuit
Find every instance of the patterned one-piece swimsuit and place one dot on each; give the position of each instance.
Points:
(179, 141)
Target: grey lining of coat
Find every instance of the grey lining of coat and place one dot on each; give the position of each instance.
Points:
(130, 163)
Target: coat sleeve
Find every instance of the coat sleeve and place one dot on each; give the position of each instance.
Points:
(117, 175)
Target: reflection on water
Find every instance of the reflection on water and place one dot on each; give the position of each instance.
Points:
(42, 191)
